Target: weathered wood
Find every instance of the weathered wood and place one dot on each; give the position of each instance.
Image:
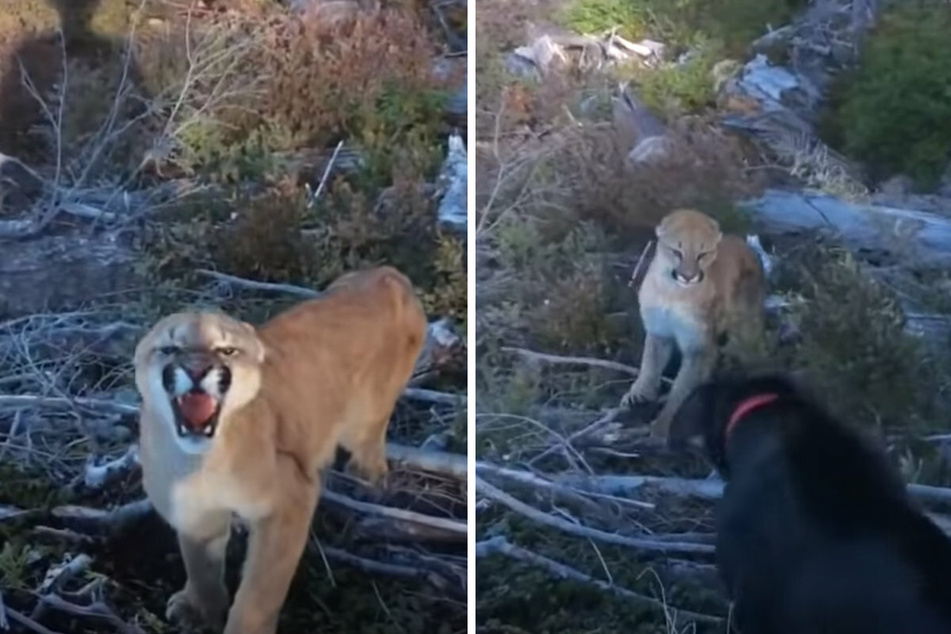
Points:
(858, 226)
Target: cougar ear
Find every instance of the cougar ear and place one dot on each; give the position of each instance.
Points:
(661, 228)
(715, 226)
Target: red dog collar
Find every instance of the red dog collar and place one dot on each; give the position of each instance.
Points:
(745, 407)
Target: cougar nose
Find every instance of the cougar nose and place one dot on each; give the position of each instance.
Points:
(197, 369)
(688, 278)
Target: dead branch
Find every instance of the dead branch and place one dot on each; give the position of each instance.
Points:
(532, 513)
(928, 493)
(712, 488)
(59, 402)
(97, 610)
(543, 357)
(290, 289)
(449, 525)
(606, 419)
(323, 179)
(113, 521)
(98, 476)
(384, 568)
(63, 534)
(445, 463)
(389, 530)
(27, 622)
(432, 396)
(533, 480)
(12, 512)
(58, 576)
(501, 546)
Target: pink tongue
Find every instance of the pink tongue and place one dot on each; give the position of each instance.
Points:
(197, 408)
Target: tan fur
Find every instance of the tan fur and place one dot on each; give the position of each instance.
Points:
(325, 372)
(725, 295)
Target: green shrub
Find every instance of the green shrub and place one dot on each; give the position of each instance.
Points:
(894, 111)
(735, 23)
(593, 16)
(677, 89)
(854, 345)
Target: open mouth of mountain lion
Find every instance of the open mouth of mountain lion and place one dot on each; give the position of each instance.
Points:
(196, 413)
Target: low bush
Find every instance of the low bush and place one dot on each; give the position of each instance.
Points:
(893, 112)
(734, 23)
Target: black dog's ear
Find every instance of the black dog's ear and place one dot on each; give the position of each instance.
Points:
(695, 419)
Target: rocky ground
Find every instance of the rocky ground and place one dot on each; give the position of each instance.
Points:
(158, 155)
(596, 118)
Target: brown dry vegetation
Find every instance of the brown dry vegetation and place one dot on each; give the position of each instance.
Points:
(193, 136)
(561, 224)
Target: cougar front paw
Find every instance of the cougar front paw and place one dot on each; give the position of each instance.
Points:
(638, 395)
(372, 470)
(191, 612)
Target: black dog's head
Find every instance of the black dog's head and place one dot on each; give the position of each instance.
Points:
(704, 417)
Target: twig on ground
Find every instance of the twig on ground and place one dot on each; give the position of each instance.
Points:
(432, 396)
(531, 479)
(450, 525)
(606, 419)
(59, 402)
(326, 175)
(12, 512)
(532, 513)
(445, 463)
(28, 623)
(63, 534)
(115, 520)
(929, 493)
(387, 529)
(384, 568)
(94, 610)
(499, 545)
(58, 576)
(98, 476)
(635, 274)
(543, 357)
(712, 488)
(290, 289)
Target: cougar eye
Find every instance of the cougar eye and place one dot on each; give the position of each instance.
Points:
(227, 351)
(169, 350)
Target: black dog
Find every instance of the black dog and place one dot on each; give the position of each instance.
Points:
(815, 531)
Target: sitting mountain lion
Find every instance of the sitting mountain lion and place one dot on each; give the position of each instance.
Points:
(242, 420)
(700, 286)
